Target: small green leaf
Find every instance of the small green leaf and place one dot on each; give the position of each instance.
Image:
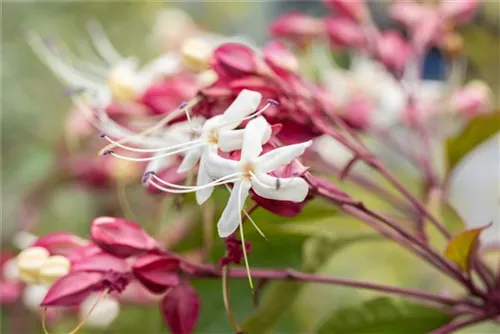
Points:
(279, 296)
(478, 130)
(462, 246)
(384, 315)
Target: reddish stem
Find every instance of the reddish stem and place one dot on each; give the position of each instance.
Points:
(209, 271)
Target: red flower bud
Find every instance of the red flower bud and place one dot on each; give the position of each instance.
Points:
(354, 9)
(101, 262)
(10, 292)
(80, 253)
(279, 58)
(120, 237)
(408, 13)
(393, 51)
(60, 243)
(343, 32)
(72, 289)
(234, 60)
(296, 27)
(234, 251)
(157, 272)
(181, 308)
(163, 97)
(461, 11)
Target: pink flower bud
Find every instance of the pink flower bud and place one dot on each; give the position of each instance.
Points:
(279, 58)
(60, 243)
(72, 289)
(10, 292)
(343, 32)
(296, 26)
(234, 60)
(407, 13)
(393, 51)
(101, 262)
(163, 97)
(359, 113)
(462, 11)
(181, 308)
(429, 31)
(472, 100)
(120, 237)
(80, 253)
(157, 272)
(354, 9)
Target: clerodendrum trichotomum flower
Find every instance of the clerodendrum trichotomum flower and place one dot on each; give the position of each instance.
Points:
(217, 133)
(250, 172)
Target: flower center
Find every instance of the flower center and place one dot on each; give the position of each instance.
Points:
(247, 170)
(213, 138)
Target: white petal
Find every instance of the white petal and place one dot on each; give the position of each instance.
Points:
(230, 140)
(293, 189)
(231, 217)
(218, 167)
(256, 131)
(280, 156)
(202, 179)
(474, 189)
(190, 160)
(246, 103)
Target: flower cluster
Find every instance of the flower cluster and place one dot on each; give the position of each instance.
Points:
(218, 111)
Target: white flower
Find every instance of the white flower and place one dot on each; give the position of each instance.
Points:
(251, 172)
(115, 74)
(217, 133)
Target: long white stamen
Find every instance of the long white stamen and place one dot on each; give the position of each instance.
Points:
(250, 218)
(155, 127)
(215, 182)
(150, 150)
(102, 43)
(254, 224)
(167, 154)
(66, 73)
(87, 113)
(188, 116)
(242, 235)
(186, 191)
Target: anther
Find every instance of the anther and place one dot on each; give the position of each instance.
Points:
(273, 102)
(106, 152)
(183, 105)
(145, 176)
(102, 135)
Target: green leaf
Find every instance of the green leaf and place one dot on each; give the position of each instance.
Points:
(279, 296)
(462, 246)
(477, 131)
(384, 315)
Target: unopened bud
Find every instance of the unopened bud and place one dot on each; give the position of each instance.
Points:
(121, 81)
(196, 54)
(206, 78)
(29, 263)
(99, 313)
(33, 296)
(453, 45)
(54, 267)
(473, 99)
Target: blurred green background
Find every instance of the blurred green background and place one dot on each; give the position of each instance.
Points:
(33, 111)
